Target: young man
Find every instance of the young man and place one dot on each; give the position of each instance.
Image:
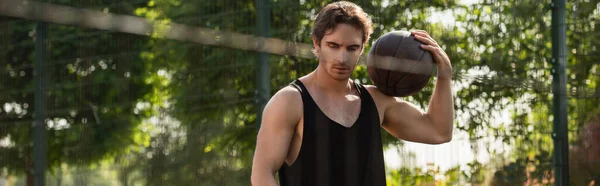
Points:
(324, 129)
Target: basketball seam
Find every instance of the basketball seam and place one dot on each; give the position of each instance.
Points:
(407, 74)
(376, 53)
(395, 52)
(418, 87)
(410, 70)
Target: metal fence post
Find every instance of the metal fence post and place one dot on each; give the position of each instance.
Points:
(39, 126)
(263, 13)
(559, 88)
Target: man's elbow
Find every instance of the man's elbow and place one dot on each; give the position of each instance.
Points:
(441, 139)
(443, 129)
(444, 137)
(443, 134)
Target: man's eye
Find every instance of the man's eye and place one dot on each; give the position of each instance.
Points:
(333, 46)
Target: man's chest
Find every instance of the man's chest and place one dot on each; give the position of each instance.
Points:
(344, 111)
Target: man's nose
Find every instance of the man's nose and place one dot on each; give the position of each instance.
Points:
(343, 56)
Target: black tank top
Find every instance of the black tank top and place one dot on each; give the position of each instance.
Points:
(332, 154)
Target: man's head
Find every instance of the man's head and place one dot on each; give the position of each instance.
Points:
(339, 34)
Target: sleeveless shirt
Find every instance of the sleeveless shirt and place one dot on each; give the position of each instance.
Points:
(332, 154)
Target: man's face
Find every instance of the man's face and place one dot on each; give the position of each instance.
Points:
(339, 51)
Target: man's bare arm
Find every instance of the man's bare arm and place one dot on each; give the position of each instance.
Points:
(280, 118)
(406, 121)
(441, 108)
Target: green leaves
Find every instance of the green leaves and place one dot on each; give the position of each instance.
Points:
(185, 112)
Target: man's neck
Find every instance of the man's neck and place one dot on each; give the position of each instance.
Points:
(331, 86)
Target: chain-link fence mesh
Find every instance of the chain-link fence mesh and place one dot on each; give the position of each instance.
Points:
(129, 101)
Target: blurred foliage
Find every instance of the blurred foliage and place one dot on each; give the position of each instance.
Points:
(91, 93)
(166, 112)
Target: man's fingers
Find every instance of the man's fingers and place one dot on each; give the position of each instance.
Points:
(426, 40)
(419, 32)
(435, 51)
(425, 35)
(430, 48)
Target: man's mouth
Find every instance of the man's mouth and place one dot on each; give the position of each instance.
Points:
(340, 68)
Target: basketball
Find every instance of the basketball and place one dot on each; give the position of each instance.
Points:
(398, 66)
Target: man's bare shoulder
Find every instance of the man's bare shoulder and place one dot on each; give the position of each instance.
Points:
(376, 94)
(287, 95)
(380, 98)
(284, 106)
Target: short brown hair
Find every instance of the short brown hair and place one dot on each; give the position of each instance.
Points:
(341, 12)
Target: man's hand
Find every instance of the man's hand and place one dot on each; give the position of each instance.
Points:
(440, 57)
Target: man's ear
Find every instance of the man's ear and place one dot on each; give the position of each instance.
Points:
(316, 44)
(316, 47)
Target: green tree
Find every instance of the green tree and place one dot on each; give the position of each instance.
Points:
(94, 80)
(510, 41)
(179, 112)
